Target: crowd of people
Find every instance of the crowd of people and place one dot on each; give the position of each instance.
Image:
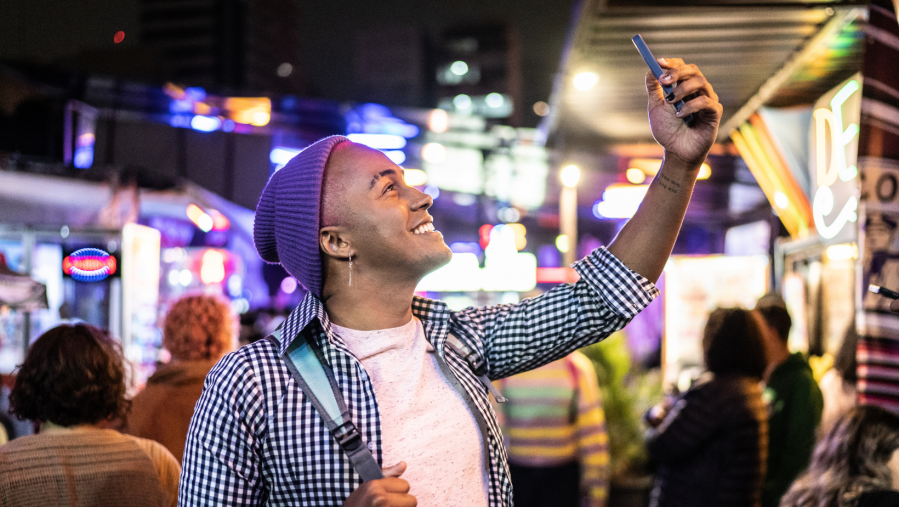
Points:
(754, 429)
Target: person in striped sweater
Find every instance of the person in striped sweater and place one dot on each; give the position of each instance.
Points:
(556, 435)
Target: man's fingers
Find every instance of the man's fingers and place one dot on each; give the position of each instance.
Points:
(395, 470)
(667, 63)
(674, 75)
(894, 305)
(696, 84)
(699, 104)
(395, 485)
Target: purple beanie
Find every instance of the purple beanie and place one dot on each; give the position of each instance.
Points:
(289, 213)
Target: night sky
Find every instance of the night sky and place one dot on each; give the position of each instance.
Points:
(57, 31)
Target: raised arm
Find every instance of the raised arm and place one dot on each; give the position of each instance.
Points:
(645, 242)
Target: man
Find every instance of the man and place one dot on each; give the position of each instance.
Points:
(794, 403)
(340, 219)
(556, 436)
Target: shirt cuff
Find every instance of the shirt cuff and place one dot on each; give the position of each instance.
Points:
(627, 293)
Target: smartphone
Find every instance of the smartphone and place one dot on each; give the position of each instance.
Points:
(657, 72)
(883, 291)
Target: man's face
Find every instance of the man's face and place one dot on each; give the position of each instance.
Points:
(385, 221)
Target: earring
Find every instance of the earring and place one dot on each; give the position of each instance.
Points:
(351, 270)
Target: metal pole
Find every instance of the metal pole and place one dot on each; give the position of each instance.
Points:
(568, 222)
(27, 252)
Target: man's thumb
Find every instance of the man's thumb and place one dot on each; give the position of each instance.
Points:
(395, 470)
(653, 88)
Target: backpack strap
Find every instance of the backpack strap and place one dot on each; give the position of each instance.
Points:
(318, 384)
(477, 364)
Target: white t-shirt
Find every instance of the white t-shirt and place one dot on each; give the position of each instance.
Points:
(424, 421)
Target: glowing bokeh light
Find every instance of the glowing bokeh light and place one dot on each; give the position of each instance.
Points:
(415, 177)
(635, 176)
(433, 152)
(212, 267)
(570, 176)
(438, 121)
(585, 80)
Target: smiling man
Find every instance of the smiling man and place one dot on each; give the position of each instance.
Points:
(341, 220)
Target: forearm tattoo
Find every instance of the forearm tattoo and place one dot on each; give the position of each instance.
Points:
(668, 184)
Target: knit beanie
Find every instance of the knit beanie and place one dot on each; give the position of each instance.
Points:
(288, 215)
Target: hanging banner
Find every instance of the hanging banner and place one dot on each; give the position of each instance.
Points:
(878, 163)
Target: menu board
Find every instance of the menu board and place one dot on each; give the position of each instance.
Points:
(694, 287)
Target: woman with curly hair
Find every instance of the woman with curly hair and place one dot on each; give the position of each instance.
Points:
(198, 331)
(856, 464)
(72, 381)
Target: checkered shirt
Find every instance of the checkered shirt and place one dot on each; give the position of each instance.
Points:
(256, 440)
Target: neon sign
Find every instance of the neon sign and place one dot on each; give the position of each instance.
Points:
(840, 169)
(89, 265)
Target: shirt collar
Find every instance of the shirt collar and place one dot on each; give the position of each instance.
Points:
(433, 314)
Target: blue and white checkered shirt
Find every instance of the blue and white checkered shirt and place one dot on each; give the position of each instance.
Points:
(256, 440)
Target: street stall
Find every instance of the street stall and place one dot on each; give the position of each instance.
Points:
(106, 256)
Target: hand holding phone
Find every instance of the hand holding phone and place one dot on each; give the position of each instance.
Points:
(657, 71)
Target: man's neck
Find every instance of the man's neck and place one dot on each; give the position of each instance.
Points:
(369, 305)
(779, 356)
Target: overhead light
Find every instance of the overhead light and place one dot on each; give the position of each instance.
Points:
(415, 177)
(459, 68)
(280, 156)
(585, 80)
(200, 218)
(842, 252)
(212, 267)
(562, 243)
(395, 156)
(541, 108)
(438, 121)
(494, 100)
(570, 176)
(285, 69)
(704, 172)
(462, 101)
(635, 176)
(781, 200)
(620, 201)
(433, 152)
(379, 141)
(205, 123)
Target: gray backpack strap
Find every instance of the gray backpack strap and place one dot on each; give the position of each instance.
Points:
(477, 364)
(318, 384)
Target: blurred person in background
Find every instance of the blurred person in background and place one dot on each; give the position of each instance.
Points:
(556, 435)
(72, 381)
(198, 331)
(794, 403)
(856, 464)
(710, 442)
(838, 383)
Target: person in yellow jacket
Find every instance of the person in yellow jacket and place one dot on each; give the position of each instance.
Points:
(556, 435)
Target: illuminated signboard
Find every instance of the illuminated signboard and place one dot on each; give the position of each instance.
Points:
(832, 160)
(89, 265)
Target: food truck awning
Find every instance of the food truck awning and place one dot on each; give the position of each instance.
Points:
(775, 54)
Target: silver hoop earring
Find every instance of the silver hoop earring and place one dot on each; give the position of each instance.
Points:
(351, 270)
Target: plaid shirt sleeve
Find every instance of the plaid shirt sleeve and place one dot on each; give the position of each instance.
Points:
(523, 336)
(221, 465)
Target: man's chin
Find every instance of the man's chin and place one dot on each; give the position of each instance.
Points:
(436, 260)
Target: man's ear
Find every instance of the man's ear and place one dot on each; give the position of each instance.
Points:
(333, 243)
